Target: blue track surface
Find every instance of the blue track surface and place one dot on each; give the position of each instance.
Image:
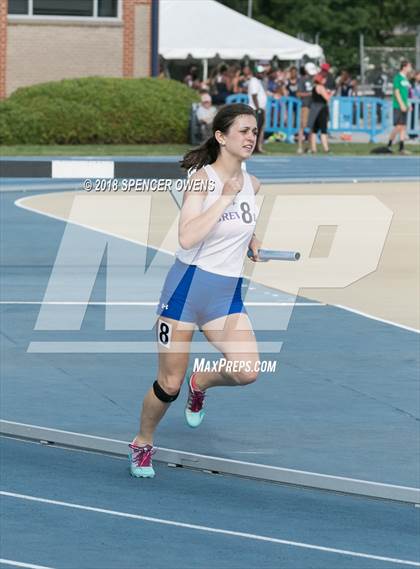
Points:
(344, 401)
(62, 537)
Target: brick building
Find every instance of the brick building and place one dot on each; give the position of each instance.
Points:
(48, 40)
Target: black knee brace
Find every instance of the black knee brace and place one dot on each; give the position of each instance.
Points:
(162, 395)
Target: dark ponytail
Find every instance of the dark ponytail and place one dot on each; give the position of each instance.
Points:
(208, 151)
(204, 154)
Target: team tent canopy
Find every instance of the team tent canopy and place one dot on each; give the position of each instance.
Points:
(205, 29)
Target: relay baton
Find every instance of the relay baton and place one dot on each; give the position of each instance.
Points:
(272, 255)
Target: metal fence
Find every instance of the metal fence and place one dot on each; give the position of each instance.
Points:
(369, 115)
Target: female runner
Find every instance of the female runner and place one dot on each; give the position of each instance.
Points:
(203, 287)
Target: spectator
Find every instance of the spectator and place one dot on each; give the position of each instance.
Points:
(238, 81)
(401, 86)
(304, 93)
(353, 89)
(258, 101)
(291, 91)
(191, 79)
(357, 109)
(415, 94)
(318, 114)
(292, 82)
(279, 91)
(344, 84)
(205, 115)
(221, 85)
(281, 76)
(272, 82)
(416, 86)
(163, 72)
(380, 84)
(330, 84)
(329, 79)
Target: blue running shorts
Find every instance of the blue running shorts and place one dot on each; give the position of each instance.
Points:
(193, 295)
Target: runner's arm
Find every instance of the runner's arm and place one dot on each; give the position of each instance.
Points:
(195, 225)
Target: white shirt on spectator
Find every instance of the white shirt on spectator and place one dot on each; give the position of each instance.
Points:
(206, 114)
(255, 87)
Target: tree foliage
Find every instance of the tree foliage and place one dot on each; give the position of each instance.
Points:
(338, 23)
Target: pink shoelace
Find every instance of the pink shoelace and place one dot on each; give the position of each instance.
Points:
(196, 400)
(142, 456)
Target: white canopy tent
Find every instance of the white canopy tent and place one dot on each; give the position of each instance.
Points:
(205, 29)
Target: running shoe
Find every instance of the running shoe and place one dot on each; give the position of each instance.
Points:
(140, 458)
(194, 412)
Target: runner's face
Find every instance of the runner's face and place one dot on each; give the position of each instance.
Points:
(242, 136)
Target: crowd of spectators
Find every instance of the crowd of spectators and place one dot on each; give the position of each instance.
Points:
(313, 85)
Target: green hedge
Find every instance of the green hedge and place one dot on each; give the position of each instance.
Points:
(97, 110)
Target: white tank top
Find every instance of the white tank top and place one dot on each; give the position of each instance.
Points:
(224, 249)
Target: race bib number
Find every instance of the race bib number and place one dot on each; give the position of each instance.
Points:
(164, 333)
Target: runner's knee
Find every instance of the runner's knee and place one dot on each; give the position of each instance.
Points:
(170, 382)
(244, 377)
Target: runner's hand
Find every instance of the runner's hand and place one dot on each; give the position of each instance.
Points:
(254, 246)
(231, 188)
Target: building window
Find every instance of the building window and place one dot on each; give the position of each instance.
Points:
(107, 8)
(18, 6)
(65, 8)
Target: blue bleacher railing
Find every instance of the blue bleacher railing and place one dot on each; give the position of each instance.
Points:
(238, 98)
(281, 115)
(369, 115)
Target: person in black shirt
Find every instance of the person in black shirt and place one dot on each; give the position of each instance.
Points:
(329, 79)
(304, 93)
(221, 85)
(318, 115)
(292, 88)
(292, 82)
(380, 84)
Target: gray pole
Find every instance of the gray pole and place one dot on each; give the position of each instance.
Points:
(205, 69)
(155, 38)
(249, 9)
(362, 58)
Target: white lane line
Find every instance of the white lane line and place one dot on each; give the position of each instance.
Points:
(359, 313)
(284, 304)
(21, 564)
(151, 303)
(207, 529)
(78, 303)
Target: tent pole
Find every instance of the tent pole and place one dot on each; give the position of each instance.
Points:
(249, 14)
(205, 63)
